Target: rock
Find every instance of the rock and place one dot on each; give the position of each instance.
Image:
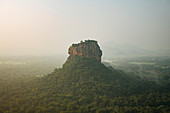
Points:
(88, 49)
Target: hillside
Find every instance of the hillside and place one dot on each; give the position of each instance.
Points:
(85, 85)
(117, 50)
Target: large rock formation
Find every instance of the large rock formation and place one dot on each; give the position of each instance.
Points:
(88, 49)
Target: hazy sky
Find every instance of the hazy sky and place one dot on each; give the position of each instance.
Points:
(48, 27)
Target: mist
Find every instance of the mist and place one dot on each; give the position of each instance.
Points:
(39, 27)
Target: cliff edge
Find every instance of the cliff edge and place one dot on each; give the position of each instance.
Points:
(87, 49)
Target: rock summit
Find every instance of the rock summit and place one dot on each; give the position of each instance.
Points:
(87, 49)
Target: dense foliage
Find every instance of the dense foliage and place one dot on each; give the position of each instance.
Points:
(84, 86)
(151, 68)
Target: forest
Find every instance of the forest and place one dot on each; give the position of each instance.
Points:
(84, 56)
(43, 85)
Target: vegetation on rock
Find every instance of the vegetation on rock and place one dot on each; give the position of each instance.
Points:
(84, 85)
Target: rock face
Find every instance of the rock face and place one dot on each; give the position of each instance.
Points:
(88, 49)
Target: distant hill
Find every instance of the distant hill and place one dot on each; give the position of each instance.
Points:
(126, 50)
